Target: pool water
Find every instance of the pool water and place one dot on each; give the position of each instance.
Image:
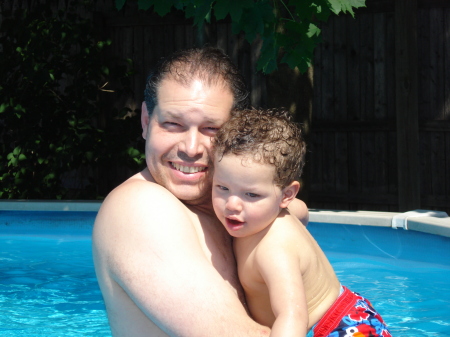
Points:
(405, 274)
(47, 279)
(48, 285)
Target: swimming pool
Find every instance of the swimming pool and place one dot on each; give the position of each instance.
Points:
(48, 285)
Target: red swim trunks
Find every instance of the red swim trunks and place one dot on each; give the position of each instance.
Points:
(351, 315)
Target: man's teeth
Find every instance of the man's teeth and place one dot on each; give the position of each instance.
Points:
(188, 169)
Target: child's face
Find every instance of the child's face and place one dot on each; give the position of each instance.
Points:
(244, 196)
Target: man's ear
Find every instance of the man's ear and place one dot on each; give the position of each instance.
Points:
(289, 193)
(145, 120)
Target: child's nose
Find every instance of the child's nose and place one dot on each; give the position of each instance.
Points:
(234, 204)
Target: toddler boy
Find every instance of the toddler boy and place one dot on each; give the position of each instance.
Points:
(289, 283)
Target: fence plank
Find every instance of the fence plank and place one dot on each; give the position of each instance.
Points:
(341, 161)
(438, 173)
(340, 70)
(327, 112)
(446, 72)
(424, 66)
(353, 69)
(447, 169)
(436, 65)
(390, 67)
(406, 103)
(355, 164)
(366, 51)
(380, 40)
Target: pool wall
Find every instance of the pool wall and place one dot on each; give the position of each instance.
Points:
(417, 220)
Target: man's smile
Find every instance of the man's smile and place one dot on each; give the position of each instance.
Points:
(188, 169)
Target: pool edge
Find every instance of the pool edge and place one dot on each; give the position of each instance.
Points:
(431, 225)
(46, 205)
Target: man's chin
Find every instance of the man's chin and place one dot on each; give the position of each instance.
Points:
(192, 196)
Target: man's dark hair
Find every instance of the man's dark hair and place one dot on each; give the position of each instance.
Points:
(210, 65)
(265, 137)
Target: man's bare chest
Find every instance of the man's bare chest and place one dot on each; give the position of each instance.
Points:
(217, 246)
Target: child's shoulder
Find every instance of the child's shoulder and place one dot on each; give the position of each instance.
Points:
(286, 229)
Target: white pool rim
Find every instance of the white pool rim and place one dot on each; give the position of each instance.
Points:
(433, 222)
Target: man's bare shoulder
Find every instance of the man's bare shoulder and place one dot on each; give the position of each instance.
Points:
(141, 206)
(140, 189)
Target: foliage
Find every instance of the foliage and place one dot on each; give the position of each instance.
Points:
(55, 73)
(288, 29)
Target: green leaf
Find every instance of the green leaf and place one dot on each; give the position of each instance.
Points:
(105, 70)
(255, 21)
(163, 7)
(200, 11)
(13, 161)
(313, 30)
(145, 4)
(120, 4)
(267, 61)
(48, 177)
(133, 153)
(345, 6)
(3, 107)
(224, 7)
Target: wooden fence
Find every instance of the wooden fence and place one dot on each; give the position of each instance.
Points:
(375, 142)
(356, 155)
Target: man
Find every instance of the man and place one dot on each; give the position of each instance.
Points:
(164, 262)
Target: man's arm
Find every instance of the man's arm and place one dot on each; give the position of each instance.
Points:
(298, 209)
(147, 252)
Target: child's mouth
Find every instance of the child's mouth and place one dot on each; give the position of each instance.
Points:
(234, 224)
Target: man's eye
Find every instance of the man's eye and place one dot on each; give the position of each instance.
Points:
(211, 130)
(171, 124)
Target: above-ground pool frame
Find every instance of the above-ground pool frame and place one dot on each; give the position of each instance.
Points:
(432, 222)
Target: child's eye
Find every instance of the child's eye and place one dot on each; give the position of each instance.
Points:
(223, 188)
(252, 195)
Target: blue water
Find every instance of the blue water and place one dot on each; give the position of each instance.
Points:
(48, 285)
(47, 280)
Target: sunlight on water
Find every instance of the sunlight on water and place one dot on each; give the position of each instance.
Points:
(48, 285)
(48, 288)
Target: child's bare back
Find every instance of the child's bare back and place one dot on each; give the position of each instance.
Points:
(285, 257)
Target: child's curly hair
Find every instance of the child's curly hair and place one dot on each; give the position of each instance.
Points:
(266, 137)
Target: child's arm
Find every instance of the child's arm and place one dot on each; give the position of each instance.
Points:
(280, 268)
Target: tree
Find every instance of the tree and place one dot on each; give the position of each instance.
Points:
(56, 132)
(288, 29)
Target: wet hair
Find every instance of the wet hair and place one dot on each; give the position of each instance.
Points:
(210, 65)
(265, 137)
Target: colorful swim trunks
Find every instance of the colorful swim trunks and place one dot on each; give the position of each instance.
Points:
(351, 315)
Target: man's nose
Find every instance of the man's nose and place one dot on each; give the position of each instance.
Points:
(193, 143)
(234, 204)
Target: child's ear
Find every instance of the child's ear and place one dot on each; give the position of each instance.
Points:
(289, 193)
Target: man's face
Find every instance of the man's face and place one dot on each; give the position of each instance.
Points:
(178, 137)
